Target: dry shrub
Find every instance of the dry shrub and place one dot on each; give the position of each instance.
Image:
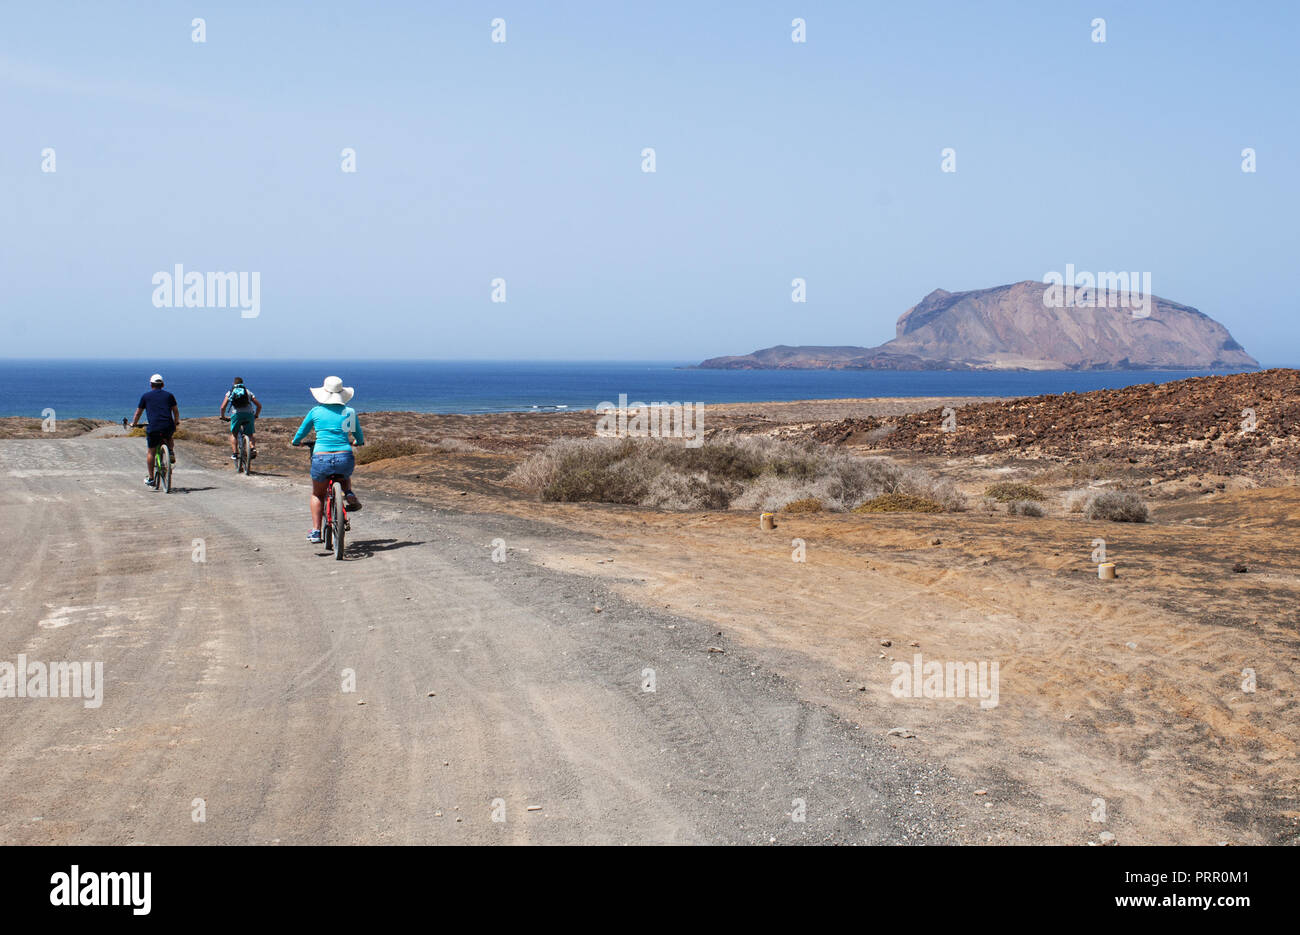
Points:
(806, 505)
(945, 493)
(1024, 508)
(730, 471)
(1118, 506)
(1011, 491)
(380, 451)
(899, 503)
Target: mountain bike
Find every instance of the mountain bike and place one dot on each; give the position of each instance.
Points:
(243, 449)
(162, 464)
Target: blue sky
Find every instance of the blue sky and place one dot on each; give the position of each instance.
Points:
(522, 160)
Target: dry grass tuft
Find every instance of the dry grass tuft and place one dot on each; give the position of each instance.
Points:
(380, 451)
(1012, 491)
(899, 503)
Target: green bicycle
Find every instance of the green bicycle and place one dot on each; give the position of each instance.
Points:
(162, 464)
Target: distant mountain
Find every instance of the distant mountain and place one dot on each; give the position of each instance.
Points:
(1010, 328)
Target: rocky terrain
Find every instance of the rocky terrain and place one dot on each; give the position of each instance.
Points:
(1010, 328)
(1196, 425)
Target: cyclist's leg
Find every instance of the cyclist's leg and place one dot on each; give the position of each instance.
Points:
(345, 471)
(171, 447)
(234, 423)
(151, 442)
(319, 489)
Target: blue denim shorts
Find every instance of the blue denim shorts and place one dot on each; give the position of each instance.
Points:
(332, 462)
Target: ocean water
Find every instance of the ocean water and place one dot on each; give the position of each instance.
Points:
(110, 389)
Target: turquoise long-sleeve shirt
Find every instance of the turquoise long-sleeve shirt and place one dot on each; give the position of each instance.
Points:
(331, 422)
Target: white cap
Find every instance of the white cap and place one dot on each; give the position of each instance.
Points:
(156, 378)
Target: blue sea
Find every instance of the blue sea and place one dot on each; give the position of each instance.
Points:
(110, 389)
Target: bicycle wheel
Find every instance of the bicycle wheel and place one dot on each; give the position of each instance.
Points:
(326, 524)
(336, 496)
(163, 469)
(241, 466)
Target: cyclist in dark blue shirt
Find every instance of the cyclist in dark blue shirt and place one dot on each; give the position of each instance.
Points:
(164, 417)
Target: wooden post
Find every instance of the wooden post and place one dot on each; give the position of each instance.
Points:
(1106, 571)
(767, 521)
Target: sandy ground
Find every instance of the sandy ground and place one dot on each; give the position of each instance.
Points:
(481, 688)
(1117, 700)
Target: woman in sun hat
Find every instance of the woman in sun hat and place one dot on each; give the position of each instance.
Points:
(333, 421)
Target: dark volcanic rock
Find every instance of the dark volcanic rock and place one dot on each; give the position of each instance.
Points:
(1181, 427)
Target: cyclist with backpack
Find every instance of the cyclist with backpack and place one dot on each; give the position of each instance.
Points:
(244, 410)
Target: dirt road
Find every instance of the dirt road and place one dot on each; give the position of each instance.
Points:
(480, 687)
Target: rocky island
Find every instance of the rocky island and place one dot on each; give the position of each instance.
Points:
(1018, 327)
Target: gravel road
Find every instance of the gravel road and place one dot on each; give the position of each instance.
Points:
(482, 689)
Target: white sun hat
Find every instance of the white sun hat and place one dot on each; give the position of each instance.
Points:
(332, 392)
(156, 378)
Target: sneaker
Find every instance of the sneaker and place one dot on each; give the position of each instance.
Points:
(353, 503)
(234, 457)
(252, 454)
(148, 481)
(314, 537)
(173, 459)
